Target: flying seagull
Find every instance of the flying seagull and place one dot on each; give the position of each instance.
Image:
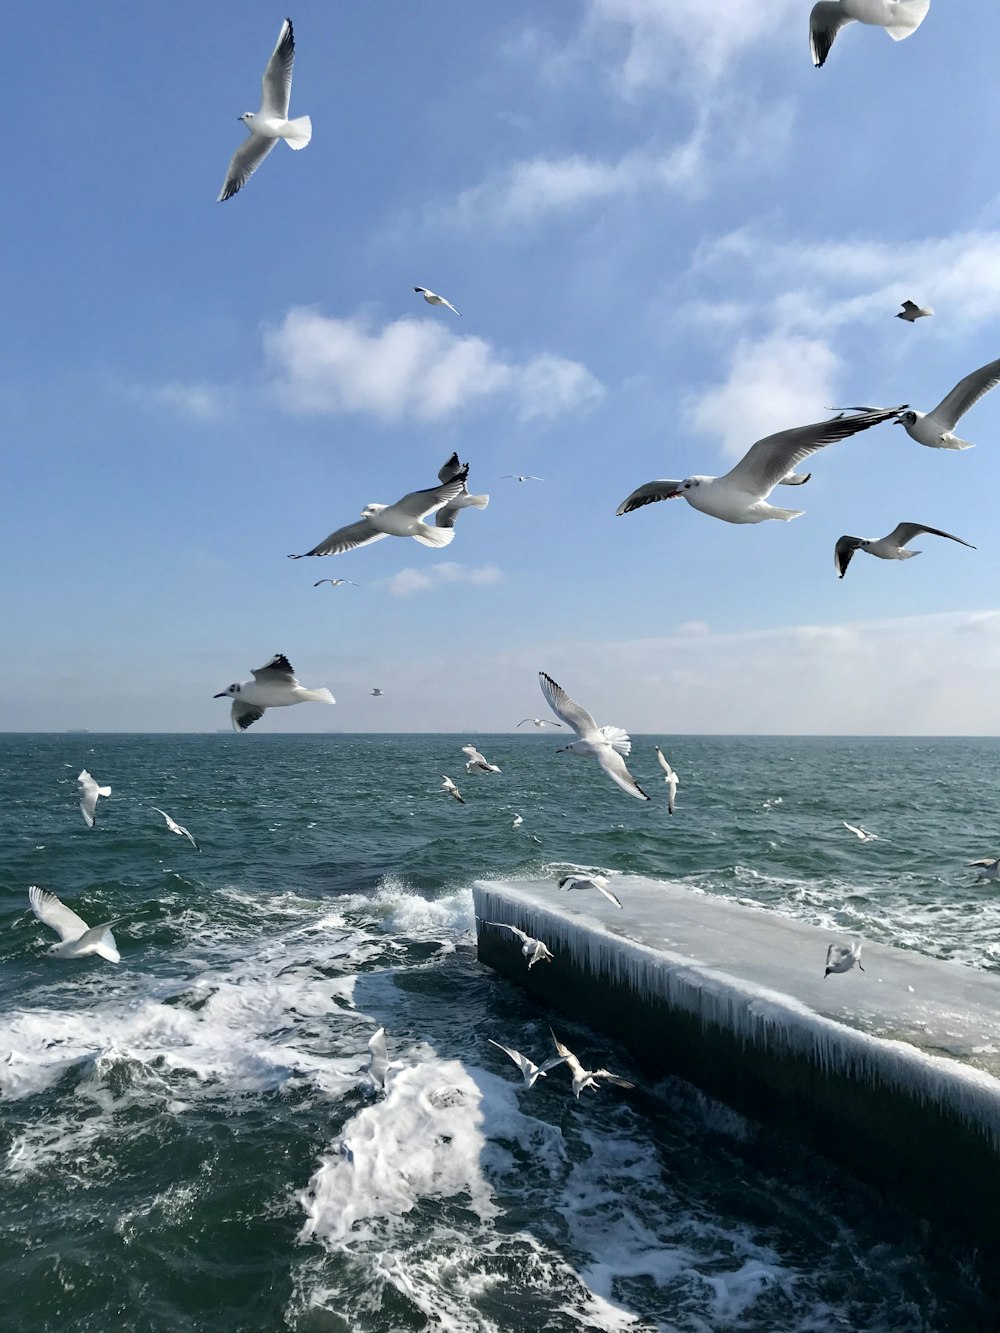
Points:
(174, 827)
(450, 470)
(534, 950)
(990, 867)
(598, 882)
(402, 519)
(898, 17)
(273, 686)
(432, 298)
(539, 722)
(518, 476)
(911, 312)
(586, 1078)
(335, 583)
(89, 792)
(271, 122)
(76, 938)
(378, 1065)
(528, 1068)
(451, 789)
(609, 745)
(891, 547)
(376, 692)
(936, 428)
(740, 496)
(670, 778)
(478, 763)
(860, 833)
(842, 957)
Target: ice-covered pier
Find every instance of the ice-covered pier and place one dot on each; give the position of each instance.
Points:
(894, 1071)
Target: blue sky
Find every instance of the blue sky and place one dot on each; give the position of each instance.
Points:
(667, 237)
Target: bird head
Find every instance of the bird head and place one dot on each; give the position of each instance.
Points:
(906, 419)
(246, 118)
(568, 749)
(370, 510)
(231, 689)
(690, 483)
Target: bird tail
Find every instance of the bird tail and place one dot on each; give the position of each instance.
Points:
(428, 536)
(322, 696)
(104, 791)
(786, 515)
(620, 740)
(300, 131)
(908, 17)
(477, 501)
(953, 442)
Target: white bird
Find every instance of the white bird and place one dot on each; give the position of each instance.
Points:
(378, 1065)
(450, 470)
(609, 745)
(990, 867)
(898, 17)
(174, 827)
(586, 1078)
(451, 789)
(273, 686)
(89, 792)
(911, 312)
(740, 495)
(842, 957)
(518, 821)
(271, 122)
(936, 428)
(376, 692)
(402, 519)
(76, 938)
(528, 1068)
(432, 298)
(534, 950)
(598, 882)
(520, 476)
(335, 583)
(861, 833)
(670, 778)
(478, 763)
(539, 722)
(891, 547)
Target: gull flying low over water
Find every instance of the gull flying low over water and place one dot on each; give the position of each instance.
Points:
(451, 789)
(450, 470)
(598, 882)
(539, 722)
(887, 548)
(989, 867)
(518, 821)
(842, 957)
(174, 827)
(898, 17)
(271, 122)
(528, 1068)
(911, 312)
(273, 686)
(936, 428)
(586, 1078)
(670, 778)
(861, 833)
(378, 1065)
(609, 745)
(402, 519)
(740, 495)
(76, 938)
(432, 298)
(89, 792)
(335, 583)
(534, 950)
(478, 763)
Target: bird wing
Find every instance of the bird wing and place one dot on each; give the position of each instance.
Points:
(843, 553)
(966, 394)
(983, 861)
(527, 1067)
(825, 21)
(771, 459)
(603, 888)
(502, 925)
(662, 759)
(612, 1078)
(245, 715)
(276, 85)
(474, 756)
(649, 494)
(450, 306)
(379, 1064)
(245, 161)
(614, 765)
(47, 907)
(565, 1053)
(905, 532)
(279, 669)
(910, 308)
(858, 833)
(571, 712)
(345, 539)
(420, 503)
(450, 469)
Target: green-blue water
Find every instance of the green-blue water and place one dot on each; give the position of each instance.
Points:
(188, 1139)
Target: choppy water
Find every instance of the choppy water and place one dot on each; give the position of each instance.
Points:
(187, 1137)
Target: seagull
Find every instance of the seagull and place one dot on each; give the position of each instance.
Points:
(519, 476)
(936, 428)
(842, 957)
(608, 744)
(174, 827)
(670, 778)
(378, 1066)
(518, 821)
(451, 789)
(451, 469)
(76, 938)
(886, 548)
(402, 519)
(598, 882)
(271, 122)
(273, 686)
(478, 763)
(740, 495)
(898, 17)
(539, 722)
(89, 792)
(432, 298)
(911, 312)
(990, 867)
(861, 833)
(335, 583)
(586, 1078)
(534, 950)
(528, 1068)
(376, 692)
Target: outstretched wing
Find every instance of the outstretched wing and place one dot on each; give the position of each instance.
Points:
(420, 503)
(843, 553)
(568, 709)
(649, 494)
(63, 920)
(245, 161)
(614, 765)
(451, 467)
(966, 394)
(245, 715)
(276, 86)
(825, 21)
(345, 539)
(278, 669)
(905, 532)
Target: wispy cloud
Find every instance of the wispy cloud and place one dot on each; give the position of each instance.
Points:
(204, 402)
(408, 581)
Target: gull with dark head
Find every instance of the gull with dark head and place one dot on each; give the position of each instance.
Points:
(432, 298)
(898, 17)
(534, 950)
(608, 745)
(76, 938)
(586, 1078)
(911, 312)
(450, 470)
(740, 495)
(89, 792)
(936, 428)
(271, 122)
(528, 1068)
(174, 827)
(842, 957)
(402, 519)
(598, 882)
(273, 686)
(477, 763)
(670, 778)
(891, 547)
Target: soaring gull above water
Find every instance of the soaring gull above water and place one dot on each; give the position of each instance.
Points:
(586, 1078)
(89, 792)
(273, 686)
(432, 298)
(898, 17)
(449, 786)
(911, 312)
(271, 122)
(891, 547)
(528, 1068)
(478, 763)
(608, 745)
(740, 495)
(598, 882)
(936, 428)
(535, 951)
(989, 867)
(842, 957)
(539, 722)
(174, 827)
(76, 938)
(861, 833)
(402, 519)
(670, 778)
(452, 470)
(378, 1064)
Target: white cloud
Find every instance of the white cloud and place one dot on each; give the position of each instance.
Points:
(204, 402)
(414, 368)
(408, 581)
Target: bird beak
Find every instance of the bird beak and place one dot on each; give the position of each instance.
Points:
(223, 695)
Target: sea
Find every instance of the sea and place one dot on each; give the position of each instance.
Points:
(189, 1138)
